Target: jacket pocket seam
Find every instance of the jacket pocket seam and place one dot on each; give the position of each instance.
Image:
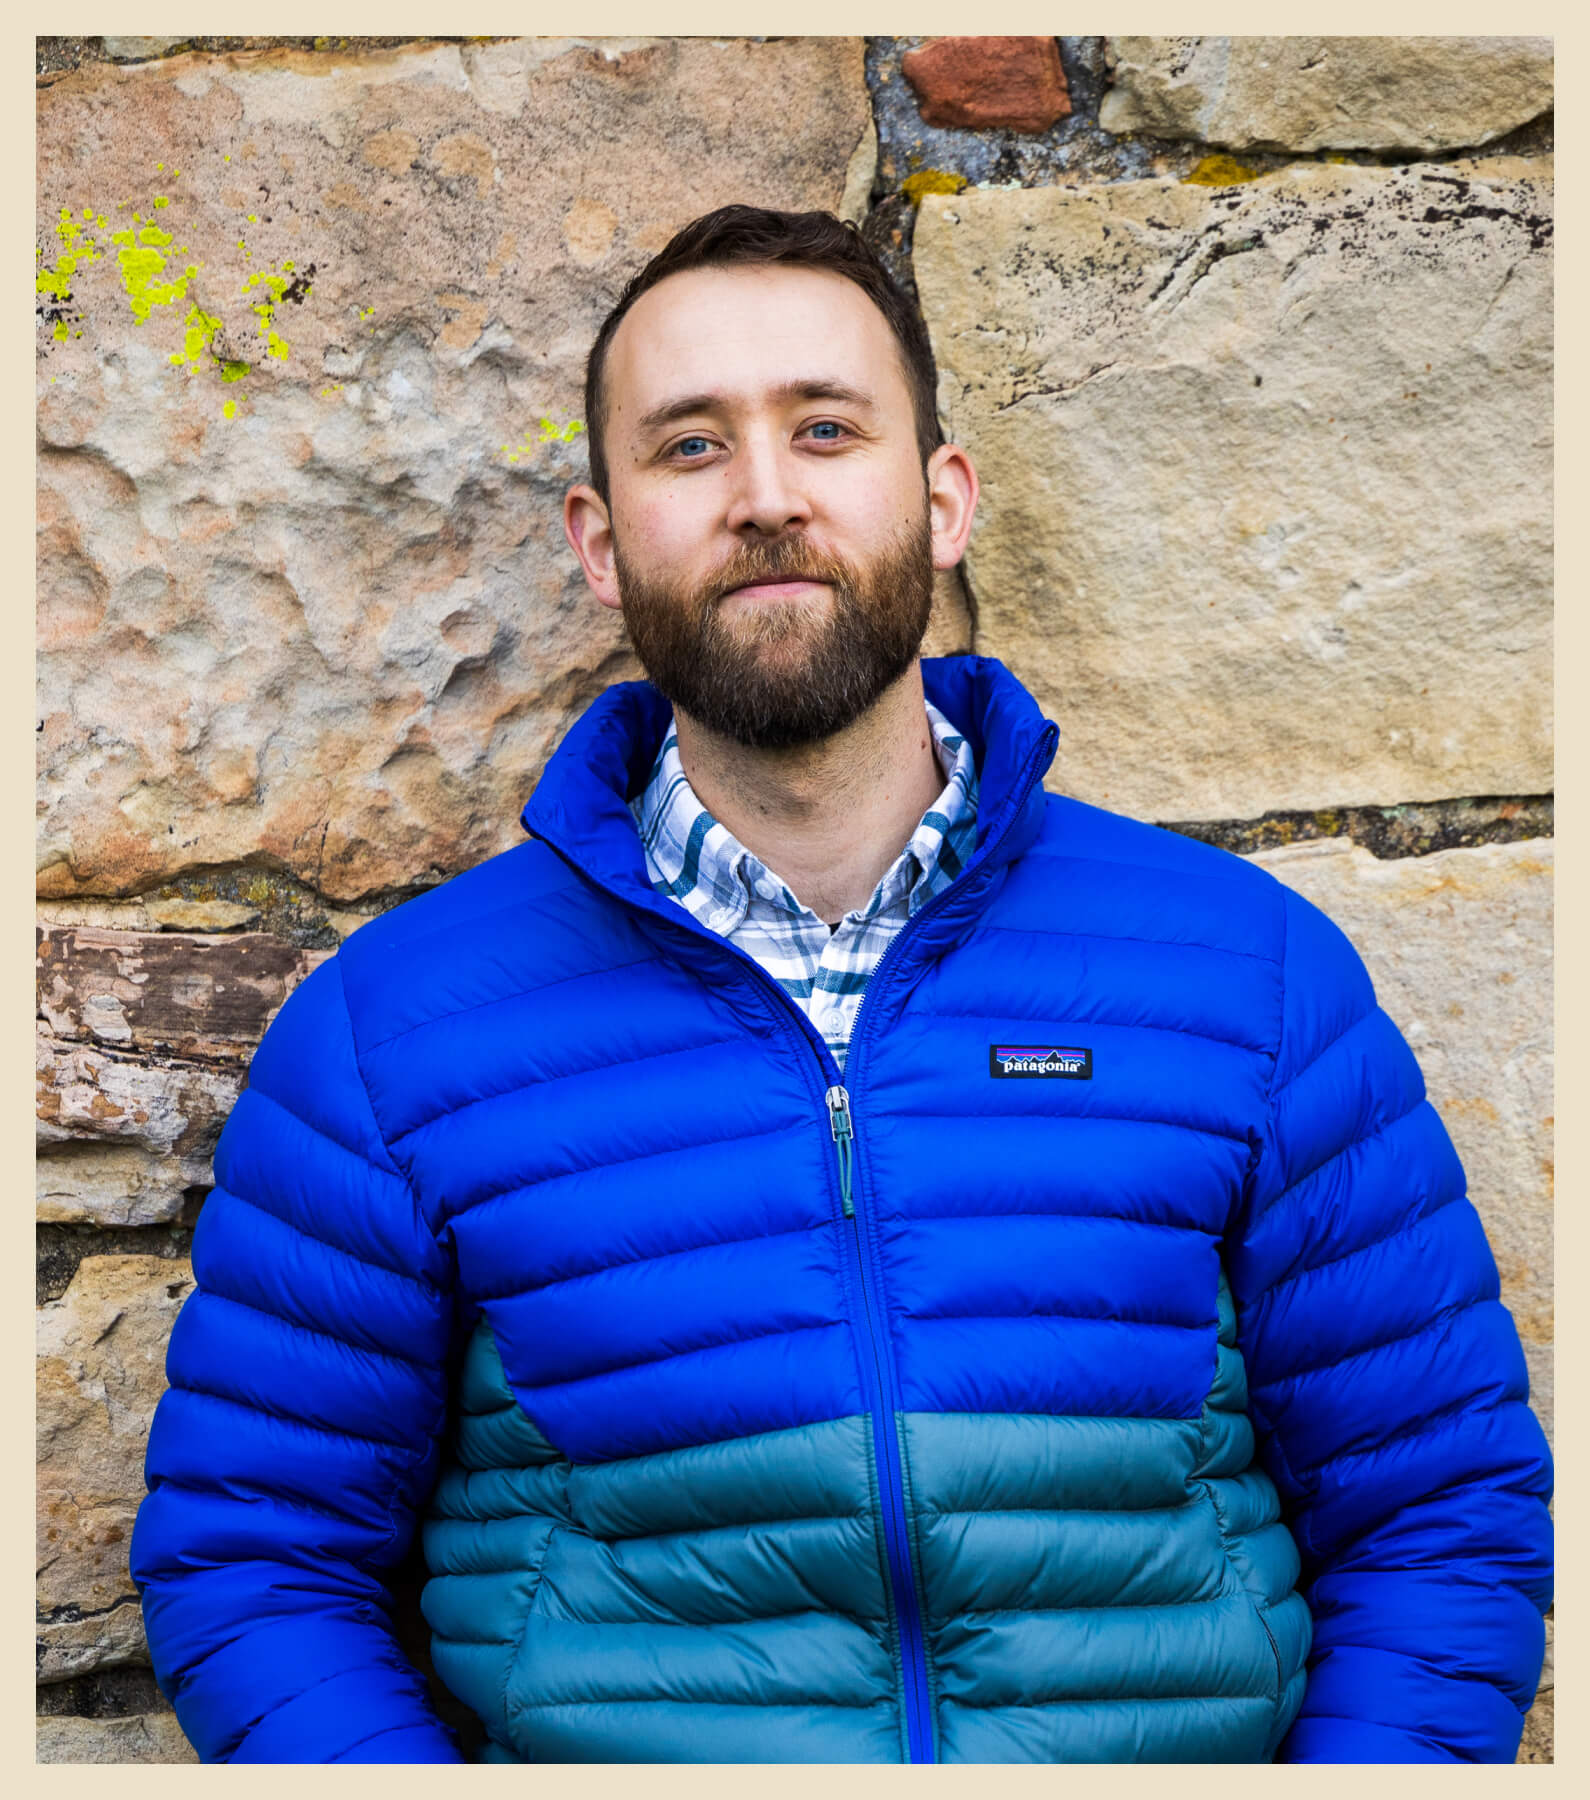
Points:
(520, 1643)
(1258, 1608)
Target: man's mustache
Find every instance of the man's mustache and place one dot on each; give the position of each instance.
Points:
(790, 570)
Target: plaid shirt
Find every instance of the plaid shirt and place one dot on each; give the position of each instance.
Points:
(698, 862)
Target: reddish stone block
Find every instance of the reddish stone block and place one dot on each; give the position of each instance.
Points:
(1013, 82)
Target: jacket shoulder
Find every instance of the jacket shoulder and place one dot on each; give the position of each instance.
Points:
(1073, 828)
(1135, 879)
(509, 924)
(448, 922)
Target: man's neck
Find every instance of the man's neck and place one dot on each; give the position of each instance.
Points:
(827, 818)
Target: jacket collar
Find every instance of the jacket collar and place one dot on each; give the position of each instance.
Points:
(581, 803)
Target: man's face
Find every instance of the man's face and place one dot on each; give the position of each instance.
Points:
(821, 494)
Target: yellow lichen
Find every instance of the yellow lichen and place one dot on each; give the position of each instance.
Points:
(930, 181)
(265, 310)
(142, 254)
(551, 432)
(1219, 171)
(198, 336)
(141, 264)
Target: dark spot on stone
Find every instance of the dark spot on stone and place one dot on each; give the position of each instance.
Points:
(299, 286)
(104, 1694)
(1387, 832)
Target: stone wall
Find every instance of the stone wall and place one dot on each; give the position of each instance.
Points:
(1251, 342)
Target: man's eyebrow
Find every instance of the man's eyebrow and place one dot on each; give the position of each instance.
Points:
(801, 388)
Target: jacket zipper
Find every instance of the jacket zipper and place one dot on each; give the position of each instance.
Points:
(891, 1483)
(886, 1436)
(886, 1433)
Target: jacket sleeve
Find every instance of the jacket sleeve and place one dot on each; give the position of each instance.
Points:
(1388, 1391)
(300, 1429)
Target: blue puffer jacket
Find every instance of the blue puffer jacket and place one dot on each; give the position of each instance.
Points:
(1032, 1395)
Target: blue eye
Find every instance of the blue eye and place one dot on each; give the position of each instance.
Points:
(833, 425)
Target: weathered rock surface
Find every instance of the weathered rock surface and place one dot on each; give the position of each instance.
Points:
(168, 1108)
(139, 49)
(100, 1372)
(1315, 93)
(141, 1738)
(1539, 1732)
(336, 629)
(1266, 476)
(187, 994)
(1459, 946)
(142, 1044)
(112, 1184)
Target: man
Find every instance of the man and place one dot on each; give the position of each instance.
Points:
(852, 1258)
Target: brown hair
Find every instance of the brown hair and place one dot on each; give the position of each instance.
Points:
(738, 235)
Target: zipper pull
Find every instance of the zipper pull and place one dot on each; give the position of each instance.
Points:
(839, 1124)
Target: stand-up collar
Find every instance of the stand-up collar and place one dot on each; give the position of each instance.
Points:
(581, 803)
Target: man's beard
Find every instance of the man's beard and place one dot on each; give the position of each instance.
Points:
(786, 672)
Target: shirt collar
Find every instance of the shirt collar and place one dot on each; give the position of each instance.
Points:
(699, 862)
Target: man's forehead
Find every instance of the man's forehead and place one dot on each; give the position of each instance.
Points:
(747, 338)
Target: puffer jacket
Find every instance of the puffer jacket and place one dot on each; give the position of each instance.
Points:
(1109, 1368)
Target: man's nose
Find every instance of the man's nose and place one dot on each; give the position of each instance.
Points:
(767, 486)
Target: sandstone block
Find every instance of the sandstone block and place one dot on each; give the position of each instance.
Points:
(142, 1738)
(101, 1369)
(1313, 93)
(200, 915)
(168, 1109)
(112, 1184)
(304, 595)
(138, 49)
(1266, 476)
(1014, 83)
(1539, 1731)
(1459, 946)
(1539, 1726)
(142, 1044)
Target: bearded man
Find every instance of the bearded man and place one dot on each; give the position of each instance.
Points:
(842, 1255)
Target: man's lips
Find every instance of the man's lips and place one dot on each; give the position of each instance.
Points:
(774, 590)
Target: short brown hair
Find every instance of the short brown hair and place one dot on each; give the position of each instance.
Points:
(739, 235)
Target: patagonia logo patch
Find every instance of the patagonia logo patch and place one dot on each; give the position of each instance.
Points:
(1067, 1062)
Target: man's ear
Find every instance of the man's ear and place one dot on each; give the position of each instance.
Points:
(590, 533)
(952, 503)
